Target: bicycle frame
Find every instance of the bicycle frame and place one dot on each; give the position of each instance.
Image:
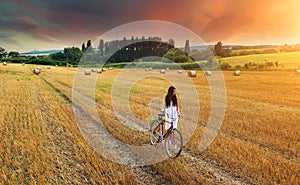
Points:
(171, 137)
(170, 130)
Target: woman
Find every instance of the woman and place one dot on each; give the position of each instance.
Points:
(170, 107)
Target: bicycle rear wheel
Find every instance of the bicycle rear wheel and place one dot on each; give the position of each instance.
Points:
(154, 133)
(174, 143)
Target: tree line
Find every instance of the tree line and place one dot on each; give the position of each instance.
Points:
(128, 50)
(69, 57)
(115, 51)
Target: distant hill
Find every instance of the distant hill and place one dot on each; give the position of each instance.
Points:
(201, 47)
(230, 46)
(41, 52)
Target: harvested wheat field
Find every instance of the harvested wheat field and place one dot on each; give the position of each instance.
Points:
(40, 142)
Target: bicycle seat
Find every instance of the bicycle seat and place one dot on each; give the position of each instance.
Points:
(160, 115)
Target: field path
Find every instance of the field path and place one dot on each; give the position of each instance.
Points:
(200, 166)
(142, 174)
(209, 168)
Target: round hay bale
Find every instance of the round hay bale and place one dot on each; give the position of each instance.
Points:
(162, 71)
(37, 71)
(56, 65)
(180, 71)
(4, 63)
(23, 64)
(192, 73)
(48, 67)
(167, 68)
(104, 69)
(237, 73)
(146, 69)
(298, 71)
(99, 70)
(93, 70)
(207, 73)
(150, 69)
(87, 72)
(110, 68)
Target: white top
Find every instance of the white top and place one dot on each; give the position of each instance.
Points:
(172, 111)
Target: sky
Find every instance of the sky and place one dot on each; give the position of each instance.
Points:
(27, 25)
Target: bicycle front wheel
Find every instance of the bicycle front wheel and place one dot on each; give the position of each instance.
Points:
(174, 143)
(154, 133)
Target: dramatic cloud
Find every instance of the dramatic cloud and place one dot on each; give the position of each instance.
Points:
(56, 23)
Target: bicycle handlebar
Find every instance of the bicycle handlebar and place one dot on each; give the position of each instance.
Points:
(163, 114)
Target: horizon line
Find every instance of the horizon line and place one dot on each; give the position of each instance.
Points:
(43, 50)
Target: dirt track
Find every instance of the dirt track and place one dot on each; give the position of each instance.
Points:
(200, 166)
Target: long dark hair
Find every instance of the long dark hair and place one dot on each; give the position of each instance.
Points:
(170, 97)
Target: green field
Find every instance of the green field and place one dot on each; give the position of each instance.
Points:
(290, 60)
(250, 50)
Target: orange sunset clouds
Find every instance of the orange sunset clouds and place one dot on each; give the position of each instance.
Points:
(55, 24)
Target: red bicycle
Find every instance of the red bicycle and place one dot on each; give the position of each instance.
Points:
(173, 138)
